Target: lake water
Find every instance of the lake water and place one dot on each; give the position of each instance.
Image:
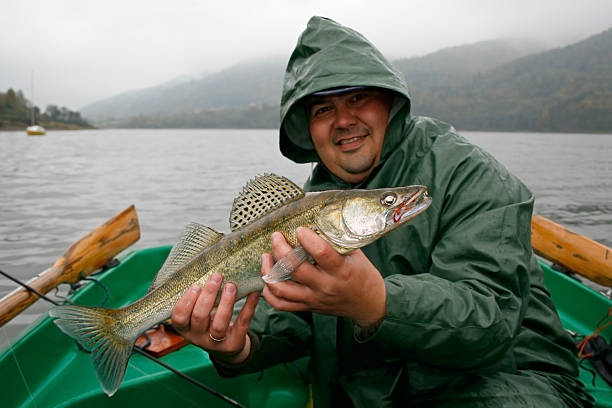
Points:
(56, 188)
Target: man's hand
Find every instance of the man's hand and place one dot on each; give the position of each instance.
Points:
(340, 285)
(193, 317)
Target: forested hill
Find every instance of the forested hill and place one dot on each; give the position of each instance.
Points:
(247, 93)
(454, 65)
(16, 114)
(567, 89)
(492, 85)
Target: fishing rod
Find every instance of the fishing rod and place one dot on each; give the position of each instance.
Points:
(28, 287)
(139, 350)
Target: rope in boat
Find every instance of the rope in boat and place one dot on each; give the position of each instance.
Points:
(601, 326)
(138, 350)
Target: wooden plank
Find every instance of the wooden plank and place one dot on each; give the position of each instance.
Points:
(82, 258)
(162, 340)
(571, 250)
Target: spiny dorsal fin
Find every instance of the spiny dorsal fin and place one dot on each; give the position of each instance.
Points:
(194, 239)
(260, 196)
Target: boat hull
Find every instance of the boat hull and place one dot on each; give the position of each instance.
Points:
(35, 130)
(54, 372)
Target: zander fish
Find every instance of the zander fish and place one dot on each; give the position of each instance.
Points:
(346, 219)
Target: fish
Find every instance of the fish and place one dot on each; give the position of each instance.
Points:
(346, 219)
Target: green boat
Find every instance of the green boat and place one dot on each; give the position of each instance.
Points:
(45, 368)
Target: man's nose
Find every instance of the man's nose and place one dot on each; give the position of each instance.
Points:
(345, 117)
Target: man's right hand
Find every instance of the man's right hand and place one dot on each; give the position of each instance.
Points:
(194, 318)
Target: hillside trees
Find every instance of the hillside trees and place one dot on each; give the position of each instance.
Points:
(16, 111)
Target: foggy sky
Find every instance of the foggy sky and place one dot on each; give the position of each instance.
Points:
(82, 51)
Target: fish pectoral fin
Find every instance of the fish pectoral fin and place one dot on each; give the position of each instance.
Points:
(92, 328)
(285, 266)
(192, 241)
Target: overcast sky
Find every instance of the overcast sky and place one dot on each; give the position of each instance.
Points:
(85, 50)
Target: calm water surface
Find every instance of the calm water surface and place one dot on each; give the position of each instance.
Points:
(56, 188)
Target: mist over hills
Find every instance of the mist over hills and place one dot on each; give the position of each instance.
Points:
(241, 86)
(504, 84)
(567, 89)
(452, 65)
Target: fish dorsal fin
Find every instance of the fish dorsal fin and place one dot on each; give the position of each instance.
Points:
(260, 196)
(194, 239)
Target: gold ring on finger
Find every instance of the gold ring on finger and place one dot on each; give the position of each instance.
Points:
(215, 340)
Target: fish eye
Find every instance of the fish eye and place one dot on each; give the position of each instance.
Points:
(388, 199)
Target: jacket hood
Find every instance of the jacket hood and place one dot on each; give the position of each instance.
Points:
(330, 55)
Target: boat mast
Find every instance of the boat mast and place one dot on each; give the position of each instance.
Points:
(33, 119)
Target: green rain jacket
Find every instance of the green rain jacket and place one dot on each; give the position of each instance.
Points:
(467, 316)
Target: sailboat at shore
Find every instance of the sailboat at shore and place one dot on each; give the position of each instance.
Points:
(34, 129)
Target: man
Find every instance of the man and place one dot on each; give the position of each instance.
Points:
(449, 310)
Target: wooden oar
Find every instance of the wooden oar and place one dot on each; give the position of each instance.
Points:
(82, 258)
(573, 251)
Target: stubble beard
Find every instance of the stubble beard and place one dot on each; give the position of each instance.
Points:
(356, 162)
(358, 165)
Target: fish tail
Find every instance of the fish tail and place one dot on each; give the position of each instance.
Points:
(94, 328)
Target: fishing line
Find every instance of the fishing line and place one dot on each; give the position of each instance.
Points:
(138, 350)
(181, 396)
(190, 379)
(12, 350)
(28, 287)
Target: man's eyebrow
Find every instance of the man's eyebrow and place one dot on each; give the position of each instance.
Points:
(311, 101)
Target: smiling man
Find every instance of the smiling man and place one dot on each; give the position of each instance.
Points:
(347, 127)
(449, 310)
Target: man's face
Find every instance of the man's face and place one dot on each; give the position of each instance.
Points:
(348, 131)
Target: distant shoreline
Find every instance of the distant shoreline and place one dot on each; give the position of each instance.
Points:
(76, 127)
(459, 130)
(47, 125)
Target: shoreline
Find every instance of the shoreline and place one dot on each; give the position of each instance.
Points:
(55, 126)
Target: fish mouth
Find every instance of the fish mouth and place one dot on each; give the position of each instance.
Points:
(410, 207)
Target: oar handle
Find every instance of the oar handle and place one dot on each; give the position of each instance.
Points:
(82, 258)
(575, 252)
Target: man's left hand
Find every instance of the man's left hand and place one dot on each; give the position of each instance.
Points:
(340, 285)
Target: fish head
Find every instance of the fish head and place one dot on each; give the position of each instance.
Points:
(354, 218)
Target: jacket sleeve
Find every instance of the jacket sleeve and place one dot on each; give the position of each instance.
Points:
(276, 337)
(464, 308)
